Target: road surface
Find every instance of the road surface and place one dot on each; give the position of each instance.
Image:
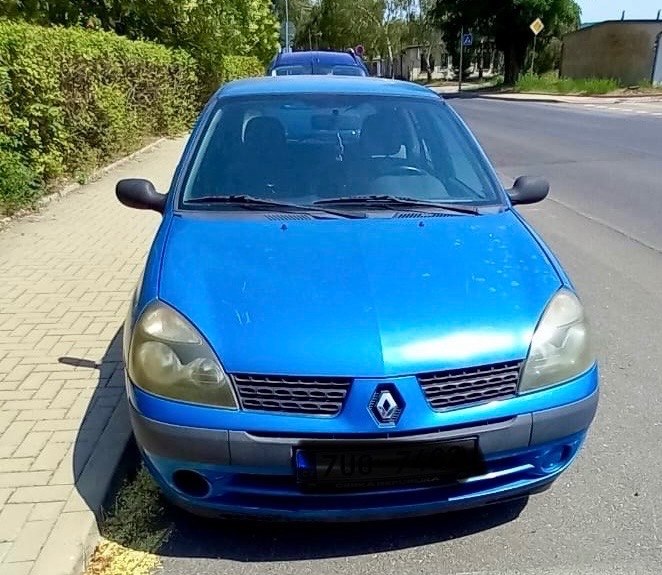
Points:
(604, 517)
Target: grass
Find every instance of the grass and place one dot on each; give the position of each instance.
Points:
(551, 84)
(133, 531)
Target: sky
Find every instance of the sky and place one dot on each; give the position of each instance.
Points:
(598, 10)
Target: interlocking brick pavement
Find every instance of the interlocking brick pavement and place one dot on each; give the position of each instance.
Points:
(66, 276)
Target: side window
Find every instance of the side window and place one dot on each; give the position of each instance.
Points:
(450, 156)
(465, 172)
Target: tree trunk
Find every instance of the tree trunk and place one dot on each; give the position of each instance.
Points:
(512, 65)
(481, 62)
(427, 65)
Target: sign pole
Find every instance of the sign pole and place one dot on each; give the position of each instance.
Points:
(536, 27)
(287, 27)
(459, 86)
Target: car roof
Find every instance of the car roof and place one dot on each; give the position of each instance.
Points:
(317, 84)
(319, 56)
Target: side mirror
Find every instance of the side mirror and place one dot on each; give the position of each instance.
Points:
(528, 190)
(140, 194)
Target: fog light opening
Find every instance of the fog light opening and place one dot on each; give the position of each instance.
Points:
(555, 458)
(191, 483)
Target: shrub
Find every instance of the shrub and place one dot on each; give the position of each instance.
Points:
(237, 67)
(71, 99)
(215, 71)
(19, 187)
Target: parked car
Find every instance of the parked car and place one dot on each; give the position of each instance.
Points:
(317, 62)
(349, 329)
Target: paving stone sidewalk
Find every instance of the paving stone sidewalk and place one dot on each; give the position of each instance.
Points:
(65, 279)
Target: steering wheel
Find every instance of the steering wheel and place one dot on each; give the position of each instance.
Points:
(406, 171)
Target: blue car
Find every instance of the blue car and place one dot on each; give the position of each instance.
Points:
(349, 328)
(317, 63)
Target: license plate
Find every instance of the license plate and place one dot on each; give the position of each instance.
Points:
(391, 464)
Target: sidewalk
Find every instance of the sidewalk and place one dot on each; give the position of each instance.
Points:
(65, 279)
(467, 92)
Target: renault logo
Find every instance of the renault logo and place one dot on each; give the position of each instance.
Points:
(386, 405)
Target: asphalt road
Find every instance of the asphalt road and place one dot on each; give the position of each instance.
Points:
(604, 516)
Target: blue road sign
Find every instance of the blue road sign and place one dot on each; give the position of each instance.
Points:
(467, 39)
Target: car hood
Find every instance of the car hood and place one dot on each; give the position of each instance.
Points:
(364, 298)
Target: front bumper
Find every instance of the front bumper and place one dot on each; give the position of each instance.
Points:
(251, 473)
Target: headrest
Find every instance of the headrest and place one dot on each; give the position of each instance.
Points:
(380, 135)
(264, 132)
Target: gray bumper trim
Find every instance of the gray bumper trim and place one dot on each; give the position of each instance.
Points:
(184, 443)
(563, 421)
(242, 449)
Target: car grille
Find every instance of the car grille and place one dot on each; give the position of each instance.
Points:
(462, 387)
(309, 396)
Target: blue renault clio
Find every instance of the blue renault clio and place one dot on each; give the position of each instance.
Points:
(343, 316)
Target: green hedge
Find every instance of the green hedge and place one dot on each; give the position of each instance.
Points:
(217, 70)
(237, 67)
(71, 99)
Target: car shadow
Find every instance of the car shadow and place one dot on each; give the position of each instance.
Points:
(248, 541)
(104, 452)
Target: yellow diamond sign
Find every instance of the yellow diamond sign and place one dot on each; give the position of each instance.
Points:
(537, 26)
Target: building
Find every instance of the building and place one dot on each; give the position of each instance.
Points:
(413, 62)
(629, 51)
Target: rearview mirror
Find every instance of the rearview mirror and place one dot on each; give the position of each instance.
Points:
(140, 194)
(528, 190)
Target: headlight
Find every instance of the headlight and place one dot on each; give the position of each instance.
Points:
(168, 357)
(128, 320)
(560, 348)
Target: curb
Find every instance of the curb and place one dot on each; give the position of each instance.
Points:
(58, 195)
(75, 535)
(505, 98)
(549, 98)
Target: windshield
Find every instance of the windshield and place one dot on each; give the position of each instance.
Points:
(308, 148)
(300, 69)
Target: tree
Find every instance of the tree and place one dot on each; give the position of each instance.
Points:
(345, 23)
(204, 27)
(207, 29)
(381, 26)
(508, 22)
(425, 31)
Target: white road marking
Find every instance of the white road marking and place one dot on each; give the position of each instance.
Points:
(603, 107)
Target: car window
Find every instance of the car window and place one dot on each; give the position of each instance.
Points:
(339, 70)
(304, 148)
(292, 70)
(322, 69)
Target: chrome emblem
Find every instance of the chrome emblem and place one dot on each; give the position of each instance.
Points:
(386, 406)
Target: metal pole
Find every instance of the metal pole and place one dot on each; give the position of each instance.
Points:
(287, 26)
(459, 86)
(533, 57)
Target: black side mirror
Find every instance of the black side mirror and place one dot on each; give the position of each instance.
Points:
(528, 190)
(140, 194)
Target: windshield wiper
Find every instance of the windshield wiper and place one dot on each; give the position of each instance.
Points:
(395, 202)
(251, 202)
